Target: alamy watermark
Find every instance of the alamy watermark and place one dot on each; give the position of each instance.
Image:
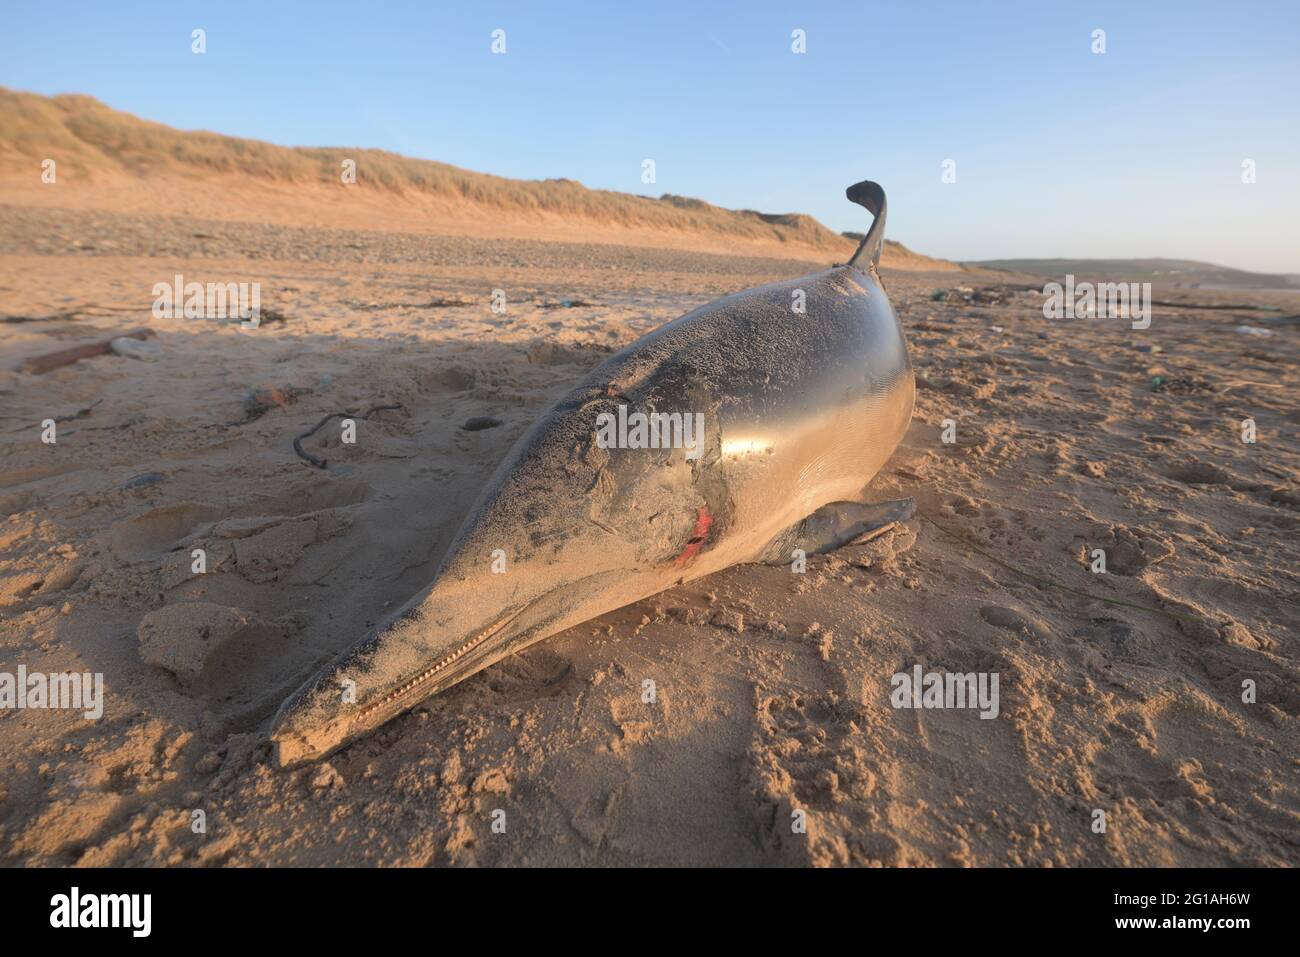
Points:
(976, 690)
(215, 300)
(1104, 300)
(69, 690)
(653, 430)
(75, 909)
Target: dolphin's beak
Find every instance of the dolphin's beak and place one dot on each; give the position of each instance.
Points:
(440, 638)
(374, 683)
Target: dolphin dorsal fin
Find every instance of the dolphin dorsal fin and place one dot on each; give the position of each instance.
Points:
(870, 196)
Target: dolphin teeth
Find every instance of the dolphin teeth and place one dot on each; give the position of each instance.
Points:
(429, 672)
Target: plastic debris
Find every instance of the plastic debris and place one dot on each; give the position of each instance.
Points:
(135, 348)
(145, 480)
(64, 357)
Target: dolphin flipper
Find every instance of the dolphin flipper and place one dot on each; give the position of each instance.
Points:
(834, 526)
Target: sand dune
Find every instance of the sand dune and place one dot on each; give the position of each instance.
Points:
(112, 160)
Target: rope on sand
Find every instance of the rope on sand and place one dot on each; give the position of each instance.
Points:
(321, 463)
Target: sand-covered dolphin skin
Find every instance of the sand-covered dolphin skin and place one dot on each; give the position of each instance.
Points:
(738, 433)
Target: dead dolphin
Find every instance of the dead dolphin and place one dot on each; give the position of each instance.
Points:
(741, 432)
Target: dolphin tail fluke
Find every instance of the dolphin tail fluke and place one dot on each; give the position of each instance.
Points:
(870, 196)
(836, 525)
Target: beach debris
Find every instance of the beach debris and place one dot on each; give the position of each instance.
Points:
(480, 422)
(1231, 306)
(1181, 385)
(135, 348)
(990, 297)
(79, 414)
(1254, 331)
(263, 399)
(144, 481)
(38, 365)
(565, 304)
(70, 416)
(438, 303)
(267, 316)
(69, 315)
(273, 395)
(1265, 356)
(321, 463)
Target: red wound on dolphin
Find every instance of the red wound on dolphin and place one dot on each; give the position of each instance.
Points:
(703, 522)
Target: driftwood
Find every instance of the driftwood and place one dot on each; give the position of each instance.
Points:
(64, 357)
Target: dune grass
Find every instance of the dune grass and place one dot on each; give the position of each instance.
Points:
(90, 138)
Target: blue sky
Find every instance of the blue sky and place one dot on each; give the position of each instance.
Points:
(1058, 151)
